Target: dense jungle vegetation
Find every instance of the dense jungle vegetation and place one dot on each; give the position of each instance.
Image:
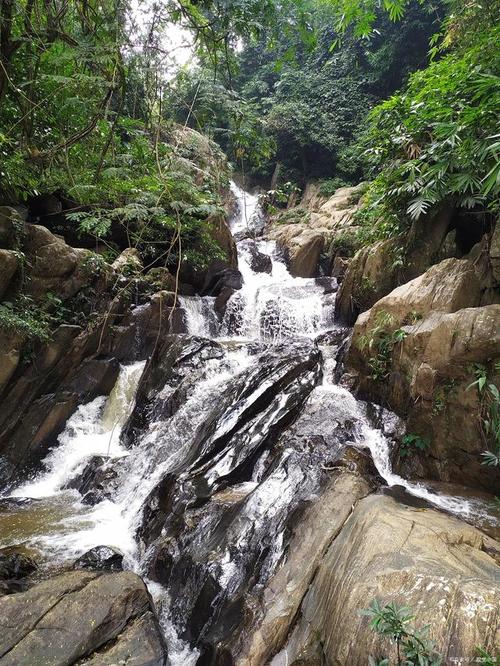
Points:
(290, 91)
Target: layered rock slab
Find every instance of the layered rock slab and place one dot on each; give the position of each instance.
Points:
(308, 234)
(443, 337)
(81, 614)
(441, 568)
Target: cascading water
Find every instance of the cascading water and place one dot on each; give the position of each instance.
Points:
(234, 431)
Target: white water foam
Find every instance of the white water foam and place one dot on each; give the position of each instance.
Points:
(93, 430)
(200, 315)
(249, 216)
(271, 306)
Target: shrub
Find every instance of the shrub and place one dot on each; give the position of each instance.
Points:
(411, 643)
(438, 139)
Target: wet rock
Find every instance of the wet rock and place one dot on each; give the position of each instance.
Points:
(16, 565)
(95, 480)
(218, 549)
(219, 456)
(334, 337)
(31, 422)
(329, 284)
(220, 277)
(80, 615)
(221, 302)
(100, 558)
(282, 597)
(140, 644)
(417, 557)
(259, 262)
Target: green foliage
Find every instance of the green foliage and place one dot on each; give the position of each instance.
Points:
(438, 140)
(441, 396)
(274, 200)
(490, 413)
(328, 187)
(25, 319)
(345, 244)
(411, 444)
(412, 644)
(486, 658)
(380, 342)
(291, 98)
(292, 216)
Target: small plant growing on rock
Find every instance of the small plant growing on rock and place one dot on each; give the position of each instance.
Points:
(490, 413)
(487, 659)
(413, 646)
(411, 444)
(380, 343)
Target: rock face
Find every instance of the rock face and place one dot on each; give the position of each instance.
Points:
(366, 279)
(308, 234)
(284, 593)
(439, 567)
(8, 266)
(495, 253)
(16, 565)
(100, 618)
(376, 269)
(425, 374)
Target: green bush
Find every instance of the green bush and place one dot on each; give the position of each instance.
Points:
(438, 139)
(413, 646)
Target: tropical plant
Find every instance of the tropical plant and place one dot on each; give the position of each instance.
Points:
(490, 413)
(437, 141)
(413, 646)
(412, 443)
(380, 343)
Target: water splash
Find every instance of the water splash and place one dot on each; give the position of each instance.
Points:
(93, 430)
(200, 315)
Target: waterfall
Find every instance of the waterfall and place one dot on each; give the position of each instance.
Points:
(93, 430)
(200, 315)
(237, 429)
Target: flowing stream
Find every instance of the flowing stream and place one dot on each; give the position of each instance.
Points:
(195, 471)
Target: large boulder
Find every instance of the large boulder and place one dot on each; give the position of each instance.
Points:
(446, 287)
(376, 269)
(416, 350)
(304, 235)
(441, 568)
(495, 253)
(10, 354)
(366, 279)
(9, 263)
(11, 227)
(312, 535)
(102, 618)
(431, 381)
